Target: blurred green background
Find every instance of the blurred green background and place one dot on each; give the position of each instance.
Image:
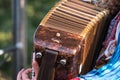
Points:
(35, 11)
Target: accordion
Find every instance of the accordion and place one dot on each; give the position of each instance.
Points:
(66, 39)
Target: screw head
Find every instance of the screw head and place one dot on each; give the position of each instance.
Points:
(38, 55)
(63, 61)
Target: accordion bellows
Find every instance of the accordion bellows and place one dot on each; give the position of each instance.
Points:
(65, 38)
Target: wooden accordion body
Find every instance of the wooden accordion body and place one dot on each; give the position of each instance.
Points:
(65, 38)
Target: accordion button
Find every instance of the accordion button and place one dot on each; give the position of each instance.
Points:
(58, 34)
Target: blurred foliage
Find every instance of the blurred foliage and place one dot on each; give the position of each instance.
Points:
(35, 12)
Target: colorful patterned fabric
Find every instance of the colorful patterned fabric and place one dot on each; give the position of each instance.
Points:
(110, 42)
(113, 24)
